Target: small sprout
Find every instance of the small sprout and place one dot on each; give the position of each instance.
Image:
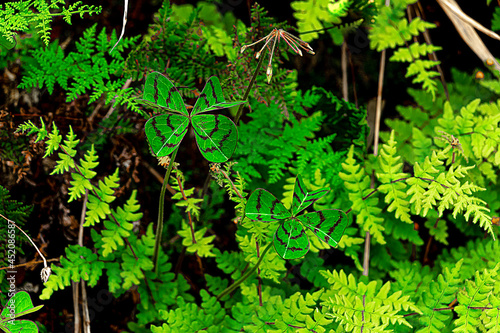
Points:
(293, 42)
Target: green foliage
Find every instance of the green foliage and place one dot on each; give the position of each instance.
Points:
(19, 16)
(391, 29)
(358, 306)
(436, 171)
(495, 22)
(175, 48)
(200, 244)
(435, 303)
(312, 16)
(123, 257)
(216, 135)
(281, 143)
(390, 176)
(216, 29)
(85, 71)
(18, 305)
(80, 263)
(357, 183)
(309, 15)
(290, 239)
(470, 142)
(475, 299)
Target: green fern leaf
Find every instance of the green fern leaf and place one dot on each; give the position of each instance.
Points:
(309, 15)
(357, 184)
(390, 176)
(474, 299)
(436, 301)
(201, 245)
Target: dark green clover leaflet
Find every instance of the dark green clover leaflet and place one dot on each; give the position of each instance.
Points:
(216, 135)
(290, 239)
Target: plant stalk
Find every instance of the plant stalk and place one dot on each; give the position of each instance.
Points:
(28, 237)
(250, 85)
(159, 226)
(366, 255)
(245, 276)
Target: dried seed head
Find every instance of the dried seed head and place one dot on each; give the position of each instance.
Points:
(45, 274)
(269, 73)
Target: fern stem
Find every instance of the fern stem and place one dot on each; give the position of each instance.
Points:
(259, 286)
(245, 276)
(159, 226)
(366, 254)
(190, 220)
(428, 246)
(343, 57)
(247, 92)
(232, 184)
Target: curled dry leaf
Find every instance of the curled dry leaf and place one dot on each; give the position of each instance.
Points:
(465, 27)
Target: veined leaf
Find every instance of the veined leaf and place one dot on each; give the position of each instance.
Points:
(165, 132)
(159, 90)
(263, 206)
(328, 224)
(303, 199)
(290, 240)
(211, 98)
(216, 136)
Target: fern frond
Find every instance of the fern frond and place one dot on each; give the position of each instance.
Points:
(98, 205)
(202, 245)
(18, 16)
(390, 176)
(436, 300)
(309, 15)
(414, 51)
(358, 306)
(80, 263)
(357, 184)
(475, 299)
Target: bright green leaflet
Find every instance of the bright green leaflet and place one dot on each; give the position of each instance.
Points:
(303, 199)
(290, 239)
(4, 42)
(216, 135)
(21, 305)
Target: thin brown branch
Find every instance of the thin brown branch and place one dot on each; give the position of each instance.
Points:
(343, 63)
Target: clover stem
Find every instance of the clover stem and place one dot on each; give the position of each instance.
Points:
(159, 226)
(247, 92)
(245, 276)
